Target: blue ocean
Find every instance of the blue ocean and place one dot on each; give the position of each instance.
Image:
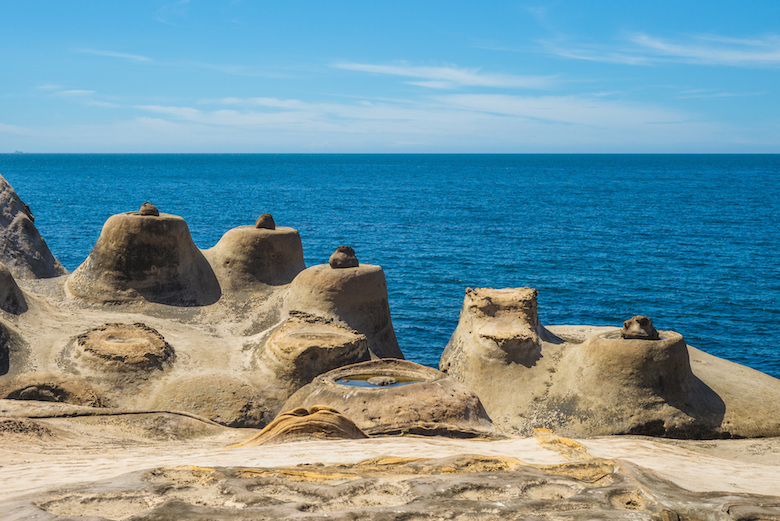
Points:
(689, 240)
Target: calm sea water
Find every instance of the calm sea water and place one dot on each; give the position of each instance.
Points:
(690, 240)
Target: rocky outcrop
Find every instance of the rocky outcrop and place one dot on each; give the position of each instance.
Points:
(390, 397)
(11, 297)
(631, 381)
(22, 249)
(356, 296)
(250, 256)
(143, 256)
(316, 423)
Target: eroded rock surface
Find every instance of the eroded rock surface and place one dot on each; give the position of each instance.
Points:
(356, 296)
(149, 257)
(343, 257)
(385, 397)
(11, 296)
(22, 249)
(527, 377)
(317, 422)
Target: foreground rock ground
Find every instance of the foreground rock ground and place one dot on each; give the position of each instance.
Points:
(161, 381)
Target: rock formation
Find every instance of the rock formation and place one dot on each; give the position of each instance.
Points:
(343, 257)
(318, 422)
(387, 397)
(145, 255)
(615, 382)
(22, 249)
(11, 297)
(356, 296)
(250, 256)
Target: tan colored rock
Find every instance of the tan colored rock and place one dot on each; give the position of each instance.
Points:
(22, 249)
(124, 347)
(527, 377)
(265, 220)
(422, 401)
(149, 209)
(51, 387)
(306, 346)
(11, 297)
(248, 256)
(356, 296)
(318, 422)
(343, 257)
(145, 257)
(640, 327)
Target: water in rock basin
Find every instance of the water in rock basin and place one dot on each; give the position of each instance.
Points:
(689, 240)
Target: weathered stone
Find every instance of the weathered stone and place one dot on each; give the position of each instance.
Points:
(343, 257)
(640, 327)
(247, 257)
(318, 422)
(422, 401)
(22, 249)
(50, 387)
(140, 258)
(11, 297)
(266, 221)
(125, 347)
(149, 209)
(357, 297)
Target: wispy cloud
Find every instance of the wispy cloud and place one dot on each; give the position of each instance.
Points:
(112, 54)
(451, 77)
(75, 93)
(645, 49)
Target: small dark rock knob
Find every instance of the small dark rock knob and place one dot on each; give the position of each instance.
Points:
(639, 327)
(382, 380)
(343, 257)
(148, 209)
(265, 221)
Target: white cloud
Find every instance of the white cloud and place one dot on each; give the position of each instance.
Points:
(112, 54)
(75, 93)
(644, 49)
(452, 77)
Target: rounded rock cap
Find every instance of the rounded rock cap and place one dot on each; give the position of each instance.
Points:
(343, 257)
(149, 209)
(266, 221)
(639, 327)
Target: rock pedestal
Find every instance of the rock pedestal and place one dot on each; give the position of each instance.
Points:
(145, 257)
(357, 296)
(248, 256)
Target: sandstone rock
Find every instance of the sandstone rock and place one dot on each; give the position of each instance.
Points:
(22, 249)
(423, 401)
(265, 220)
(11, 297)
(356, 296)
(343, 257)
(149, 209)
(527, 377)
(306, 346)
(154, 259)
(640, 327)
(50, 387)
(318, 422)
(124, 347)
(247, 257)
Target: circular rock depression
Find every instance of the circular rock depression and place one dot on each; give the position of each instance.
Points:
(125, 346)
(430, 402)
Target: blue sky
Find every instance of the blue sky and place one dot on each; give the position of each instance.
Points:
(400, 76)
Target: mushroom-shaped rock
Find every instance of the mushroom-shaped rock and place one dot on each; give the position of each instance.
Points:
(343, 257)
(145, 257)
(639, 327)
(356, 296)
(11, 297)
(124, 347)
(22, 249)
(306, 346)
(50, 387)
(317, 422)
(422, 401)
(266, 221)
(250, 256)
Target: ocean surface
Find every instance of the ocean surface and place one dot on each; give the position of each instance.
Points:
(689, 240)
